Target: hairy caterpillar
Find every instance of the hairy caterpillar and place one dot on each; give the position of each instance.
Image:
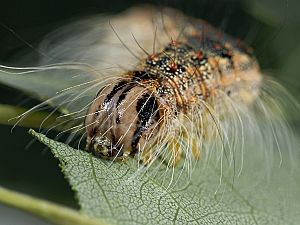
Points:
(168, 86)
(177, 82)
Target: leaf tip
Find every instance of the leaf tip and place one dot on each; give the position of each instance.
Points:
(33, 133)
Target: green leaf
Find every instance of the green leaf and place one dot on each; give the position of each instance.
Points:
(119, 195)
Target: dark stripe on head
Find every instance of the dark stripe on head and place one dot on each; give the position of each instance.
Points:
(147, 109)
(100, 90)
(124, 93)
(116, 88)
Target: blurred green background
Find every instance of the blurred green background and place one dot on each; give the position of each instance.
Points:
(271, 27)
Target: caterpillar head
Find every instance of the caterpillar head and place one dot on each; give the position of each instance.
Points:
(121, 120)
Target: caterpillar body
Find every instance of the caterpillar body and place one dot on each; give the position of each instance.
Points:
(151, 110)
(175, 87)
(127, 117)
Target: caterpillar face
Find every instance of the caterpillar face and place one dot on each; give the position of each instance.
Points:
(121, 120)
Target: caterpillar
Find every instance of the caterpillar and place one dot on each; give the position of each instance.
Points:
(138, 113)
(166, 86)
(126, 116)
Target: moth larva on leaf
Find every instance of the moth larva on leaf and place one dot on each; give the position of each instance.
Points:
(157, 84)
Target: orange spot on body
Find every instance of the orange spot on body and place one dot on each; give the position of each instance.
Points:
(199, 55)
(152, 56)
(173, 66)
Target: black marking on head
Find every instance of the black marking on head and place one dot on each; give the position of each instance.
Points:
(100, 90)
(124, 93)
(147, 109)
(116, 88)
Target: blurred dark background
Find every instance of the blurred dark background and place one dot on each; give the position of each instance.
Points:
(271, 27)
